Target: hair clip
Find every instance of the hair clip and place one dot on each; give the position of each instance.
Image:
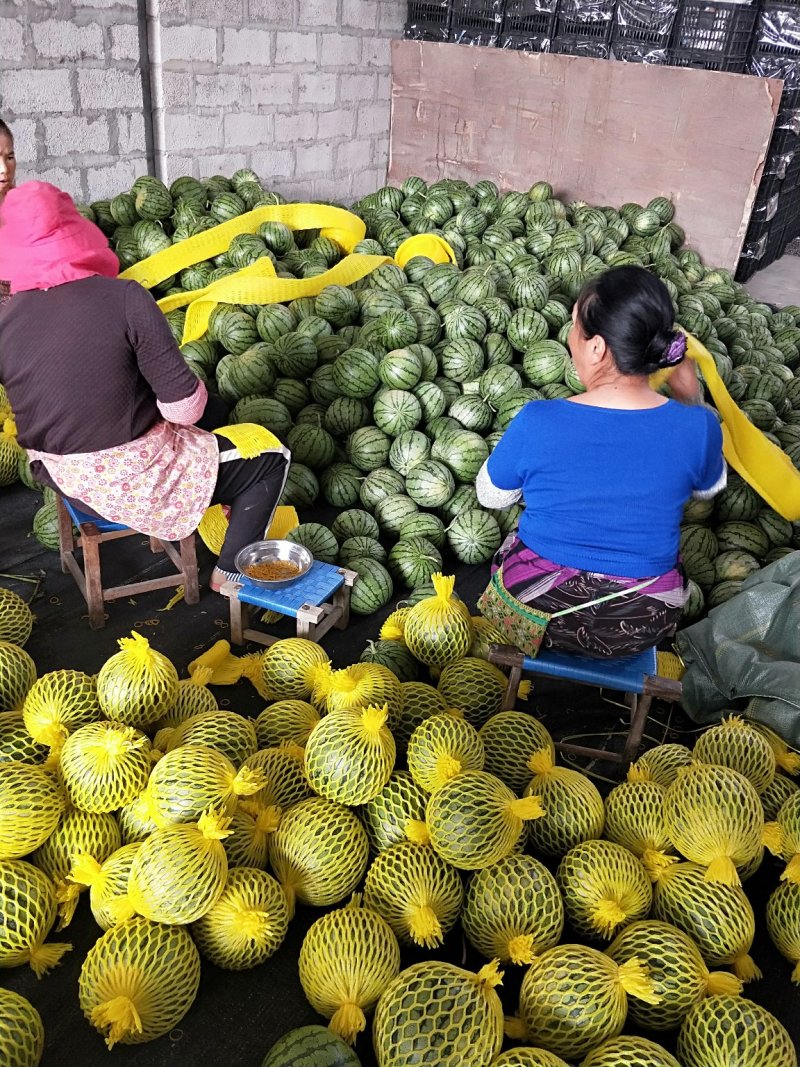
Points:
(676, 350)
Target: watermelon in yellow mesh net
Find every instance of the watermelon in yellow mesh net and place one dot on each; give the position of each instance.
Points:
(418, 702)
(714, 817)
(28, 910)
(627, 1051)
(574, 997)
(192, 698)
(108, 884)
(31, 804)
(474, 820)
(135, 820)
(786, 759)
(605, 888)
(286, 720)
(416, 892)
(573, 808)
(58, 703)
(283, 769)
(248, 842)
(21, 1031)
(359, 686)
(660, 764)
(17, 675)
(736, 743)
(350, 755)
(190, 779)
(231, 734)
(513, 910)
(783, 923)
(677, 970)
(438, 629)
(437, 1015)
(347, 959)
(394, 626)
(16, 618)
(387, 816)
(16, 744)
(442, 747)
(138, 981)
(104, 765)
(288, 668)
(722, 1031)
(635, 819)
(247, 924)
(782, 837)
(137, 685)
(9, 449)
(528, 1057)
(179, 872)
(484, 634)
(509, 739)
(719, 918)
(475, 687)
(774, 796)
(319, 852)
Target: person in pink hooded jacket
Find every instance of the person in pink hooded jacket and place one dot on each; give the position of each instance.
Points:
(104, 401)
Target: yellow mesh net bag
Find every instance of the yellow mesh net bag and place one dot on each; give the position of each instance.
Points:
(714, 817)
(288, 668)
(418, 702)
(660, 764)
(635, 819)
(783, 923)
(509, 739)
(723, 1030)
(387, 815)
(775, 795)
(247, 845)
(786, 759)
(484, 634)
(359, 686)
(442, 747)
(108, 884)
(319, 852)
(350, 755)
(190, 779)
(283, 770)
(17, 675)
(528, 1057)
(573, 807)
(394, 626)
(28, 907)
(474, 820)
(179, 872)
(135, 820)
(574, 997)
(30, 806)
(16, 743)
(137, 685)
(247, 924)
(438, 630)
(416, 891)
(193, 698)
(513, 910)
(138, 981)
(474, 686)
(104, 765)
(678, 972)
(9, 449)
(16, 618)
(347, 959)
(286, 720)
(435, 1014)
(229, 733)
(782, 837)
(21, 1031)
(58, 703)
(604, 886)
(737, 744)
(718, 918)
(627, 1051)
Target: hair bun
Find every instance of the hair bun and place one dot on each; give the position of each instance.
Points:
(675, 349)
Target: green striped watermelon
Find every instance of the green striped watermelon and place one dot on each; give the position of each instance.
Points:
(392, 510)
(526, 328)
(368, 448)
(431, 398)
(380, 483)
(354, 522)
(474, 536)
(407, 450)
(302, 487)
(317, 538)
(545, 362)
(396, 411)
(743, 537)
(310, 1046)
(462, 360)
(463, 452)
(472, 411)
(734, 565)
(249, 374)
(274, 320)
(430, 484)
(311, 445)
(394, 655)
(323, 388)
(295, 355)
(355, 373)
(361, 547)
(401, 368)
(423, 524)
(413, 560)
(341, 484)
(344, 415)
(265, 411)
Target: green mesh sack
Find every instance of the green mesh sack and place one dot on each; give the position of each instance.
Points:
(286, 720)
(17, 675)
(660, 764)
(635, 819)
(28, 910)
(399, 808)
(630, 1052)
(475, 687)
(735, 743)
(108, 884)
(16, 743)
(30, 806)
(21, 1031)
(442, 747)
(58, 703)
(138, 981)
(772, 799)
(416, 892)
(513, 910)
(677, 971)
(104, 765)
(574, 997)
(605, 888)
(247, 924)
(138, 685)
(721, 1031)
(783, 923)
(350, 755)
(573, 807)
(231, 734)
(189, 780)
(510, 739)
(347, 959)
(437, 1014)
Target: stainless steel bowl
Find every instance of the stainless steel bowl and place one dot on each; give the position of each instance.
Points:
(267, 551)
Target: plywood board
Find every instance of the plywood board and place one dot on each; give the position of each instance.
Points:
(605, 132)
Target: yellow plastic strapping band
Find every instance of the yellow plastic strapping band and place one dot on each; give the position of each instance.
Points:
(262, 268)
(424, 244)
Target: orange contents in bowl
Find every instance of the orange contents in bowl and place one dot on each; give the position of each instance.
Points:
(273, 570)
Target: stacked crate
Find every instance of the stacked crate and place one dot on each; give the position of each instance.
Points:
(642, 30)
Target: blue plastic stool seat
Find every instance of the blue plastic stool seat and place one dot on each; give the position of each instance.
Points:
(321, 582)
(81, 517)
(625, 673)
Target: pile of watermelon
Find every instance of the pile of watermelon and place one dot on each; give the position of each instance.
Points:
(392, 392)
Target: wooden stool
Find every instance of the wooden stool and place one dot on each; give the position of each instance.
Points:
(636, 676)
(93, 532)
(319, 601)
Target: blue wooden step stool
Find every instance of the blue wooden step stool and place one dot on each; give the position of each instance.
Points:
(93, 532)
(319, 601)
(636, 676)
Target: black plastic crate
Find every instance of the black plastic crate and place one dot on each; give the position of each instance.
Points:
(700, 60)
(778, 29)
(526, 42)
(635, 52)
(722, 31)
(477, 22)
(428, 20)
(593, 19)
(644, 22)
(787, 68)
(588, 47)
(529, 19)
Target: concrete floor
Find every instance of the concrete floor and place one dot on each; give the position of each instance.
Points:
(779, 283)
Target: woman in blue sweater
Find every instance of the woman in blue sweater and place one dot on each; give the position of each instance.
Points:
(605, 475)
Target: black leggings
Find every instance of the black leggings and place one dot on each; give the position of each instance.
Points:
(251, 488)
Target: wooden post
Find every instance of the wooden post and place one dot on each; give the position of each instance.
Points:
(66, 538)
(90, 542)
(191, 584)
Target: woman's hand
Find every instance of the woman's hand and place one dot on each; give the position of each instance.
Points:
(684, 383)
